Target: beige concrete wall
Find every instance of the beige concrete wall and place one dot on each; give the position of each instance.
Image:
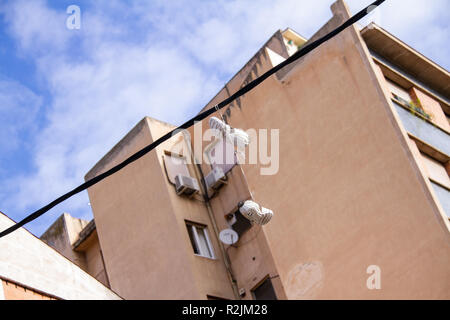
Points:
(349, 193)
(252, 262)
(249, 72)
(94, 260)
(432, 107)
(137, 229)
(210, 274)
(62, 234)
(14, 291)
(27, 260)
(141, 226)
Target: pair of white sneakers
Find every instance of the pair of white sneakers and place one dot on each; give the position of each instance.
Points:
(255, 213)
(249, 209)
(235, 136)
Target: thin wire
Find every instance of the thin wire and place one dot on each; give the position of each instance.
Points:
(221, 117)
(303, 51)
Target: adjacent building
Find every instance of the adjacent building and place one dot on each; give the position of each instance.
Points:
(32, 270)
(360, 190)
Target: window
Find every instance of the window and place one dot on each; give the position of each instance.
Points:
(198, 234)
(436, 171)
(440, 180)
(443, 195)
(399, 91)
(264, 291)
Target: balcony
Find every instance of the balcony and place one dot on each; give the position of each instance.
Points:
(418, 125)
(444, 197)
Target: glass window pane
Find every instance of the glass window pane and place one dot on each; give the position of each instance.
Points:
(203, 243)
(191, 236)
(424, 130)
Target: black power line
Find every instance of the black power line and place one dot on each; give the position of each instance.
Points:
(303, 51)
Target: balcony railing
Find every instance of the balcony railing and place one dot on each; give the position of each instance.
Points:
(412, 107)
(416, 124)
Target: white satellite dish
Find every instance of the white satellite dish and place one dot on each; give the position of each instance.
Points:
(228, 236)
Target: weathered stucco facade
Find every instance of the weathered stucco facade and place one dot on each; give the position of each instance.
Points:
(362, 180)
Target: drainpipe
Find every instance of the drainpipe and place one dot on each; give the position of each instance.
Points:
(204, 190)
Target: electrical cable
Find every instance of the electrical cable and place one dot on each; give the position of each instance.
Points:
(303, 51)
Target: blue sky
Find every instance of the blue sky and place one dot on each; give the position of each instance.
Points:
(67, 96)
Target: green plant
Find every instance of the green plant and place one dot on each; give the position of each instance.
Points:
(416, 107)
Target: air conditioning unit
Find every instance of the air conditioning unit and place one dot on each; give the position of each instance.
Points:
(216, 178)
(186, 185)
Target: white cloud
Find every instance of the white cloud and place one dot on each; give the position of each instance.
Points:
(156, 58)
(18, 109)
(224, 34)
(34, 26)
(421, 24)
(95, 101)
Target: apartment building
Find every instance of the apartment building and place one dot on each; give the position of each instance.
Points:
(361, 126)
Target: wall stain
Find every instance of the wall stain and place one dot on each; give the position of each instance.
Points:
(304, 280)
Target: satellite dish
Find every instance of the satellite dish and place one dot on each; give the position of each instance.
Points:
(228, 236)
